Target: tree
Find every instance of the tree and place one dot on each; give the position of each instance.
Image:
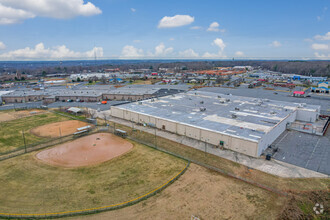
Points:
(220, 80)
(78, 79)
(103, 80)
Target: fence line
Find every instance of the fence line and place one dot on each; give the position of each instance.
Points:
(153, 143)
(97, 209)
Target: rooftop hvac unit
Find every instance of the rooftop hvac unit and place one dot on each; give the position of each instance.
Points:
(272, 112)
(236, 109)
(221, 101)
(233, 115)
(219, 97)
(202, 102)
(152, 100)
(140, 103)
(227, 100)
(202, 109)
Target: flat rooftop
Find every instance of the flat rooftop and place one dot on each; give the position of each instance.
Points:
(243, 117)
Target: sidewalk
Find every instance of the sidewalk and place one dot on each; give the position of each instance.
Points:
(273, 167)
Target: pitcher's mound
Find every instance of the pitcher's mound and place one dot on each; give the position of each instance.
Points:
(85, 151)
(58, 129)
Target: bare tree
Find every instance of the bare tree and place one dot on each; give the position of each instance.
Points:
(105, 117)
(92, 113)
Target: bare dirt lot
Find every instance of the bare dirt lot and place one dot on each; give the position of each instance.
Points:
(205, 194)
(58, 129)
(12, 115)
(85, 151)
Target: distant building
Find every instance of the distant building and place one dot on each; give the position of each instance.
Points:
(322, 87)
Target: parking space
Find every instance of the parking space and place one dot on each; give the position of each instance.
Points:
(304, 150)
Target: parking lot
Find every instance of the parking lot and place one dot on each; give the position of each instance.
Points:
(304, 150)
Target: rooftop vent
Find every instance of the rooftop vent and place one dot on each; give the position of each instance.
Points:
(202, 109)
(140, 103)
(221, 101)
(202, 102)
(219, 97)
(227, 100)
(233, 115)
(236, 109)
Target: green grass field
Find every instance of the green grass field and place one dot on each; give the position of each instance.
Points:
(11, 131)
(30, 186)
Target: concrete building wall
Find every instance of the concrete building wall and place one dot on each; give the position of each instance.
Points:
(307, 116)
(244, 146)
(277, 130)
(166, 125)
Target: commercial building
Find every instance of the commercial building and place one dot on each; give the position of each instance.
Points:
(242, 124)
(86, 95)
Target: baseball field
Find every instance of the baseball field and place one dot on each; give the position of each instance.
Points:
(37, 125)
(102, 169)
(34, 184)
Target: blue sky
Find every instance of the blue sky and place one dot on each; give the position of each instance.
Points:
(133, 29)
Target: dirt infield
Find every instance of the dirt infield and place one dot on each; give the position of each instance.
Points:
(85, 151)
(12, 115)
(58, 129)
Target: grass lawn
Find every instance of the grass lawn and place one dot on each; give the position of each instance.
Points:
(11, 131)
(31, 186)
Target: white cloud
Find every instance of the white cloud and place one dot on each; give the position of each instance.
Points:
(214, 26)
(275, 44)
(196, 28)
(16, 11)
(189, 53)
(137, 41)
(10, 15)
(175, 21)
(171, 39)
(161, 50)
(320, 47)
(133, 10)
(131, 52)
(2, 46)
(323, 37)
(219, 43)
(239, 54)
(39, 52)
(322, 56)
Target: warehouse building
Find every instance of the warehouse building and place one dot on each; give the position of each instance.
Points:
(242, 124)
(86, 95)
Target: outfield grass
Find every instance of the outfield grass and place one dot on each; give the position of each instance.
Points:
(11, 137)
(30, 186)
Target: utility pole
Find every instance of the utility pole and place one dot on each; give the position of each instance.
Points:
(24, 141)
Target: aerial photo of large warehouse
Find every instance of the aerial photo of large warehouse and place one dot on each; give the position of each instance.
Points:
(242, 124)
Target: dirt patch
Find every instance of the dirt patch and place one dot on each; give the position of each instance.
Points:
(12, 115)
(206, 194)
(58, 129)
(307, 205)
(85, 151)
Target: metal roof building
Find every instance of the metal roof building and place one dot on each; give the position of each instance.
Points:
(242, 124)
